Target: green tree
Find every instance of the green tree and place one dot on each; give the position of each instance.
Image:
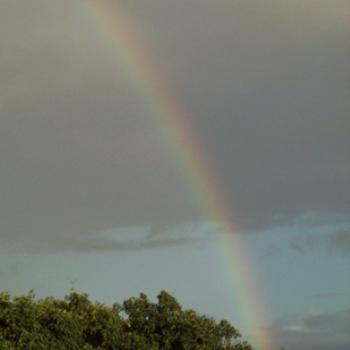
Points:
(138, 324)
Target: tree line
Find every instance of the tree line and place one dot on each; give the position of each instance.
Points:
(77, 323)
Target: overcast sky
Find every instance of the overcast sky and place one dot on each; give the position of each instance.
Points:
(89, 183)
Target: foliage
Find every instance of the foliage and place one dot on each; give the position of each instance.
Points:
(76, 323)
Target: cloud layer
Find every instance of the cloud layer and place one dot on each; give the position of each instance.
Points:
(338, 241)
(322, 331)
(266, 88)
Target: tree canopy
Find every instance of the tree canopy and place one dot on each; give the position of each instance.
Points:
(76, 323)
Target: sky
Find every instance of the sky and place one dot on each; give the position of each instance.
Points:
(95, 196)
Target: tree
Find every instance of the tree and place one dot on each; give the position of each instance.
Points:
(138, 324)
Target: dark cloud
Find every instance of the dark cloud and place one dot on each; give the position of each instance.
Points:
(127, 239)
(83, 150)
(129, 245)
(338, 241)
(98, 244)
(322, 331)
(326, 295)
(303, 244)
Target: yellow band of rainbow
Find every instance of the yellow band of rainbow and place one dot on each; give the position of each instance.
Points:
(141, 68)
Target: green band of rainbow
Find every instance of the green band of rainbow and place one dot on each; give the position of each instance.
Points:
(142, 70)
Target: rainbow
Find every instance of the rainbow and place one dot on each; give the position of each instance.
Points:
(142, 70)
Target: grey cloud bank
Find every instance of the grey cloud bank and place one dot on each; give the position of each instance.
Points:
(266, 88)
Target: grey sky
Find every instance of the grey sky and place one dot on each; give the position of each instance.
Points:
(266, 85)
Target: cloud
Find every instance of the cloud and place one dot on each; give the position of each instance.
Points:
(129, 245)
(322, 331)
(84, 149)
(99, 244)
(338, 241)
(303, 244)
(127, 239)
(326, 295)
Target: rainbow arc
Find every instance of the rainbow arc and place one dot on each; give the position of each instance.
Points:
(142, 70)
